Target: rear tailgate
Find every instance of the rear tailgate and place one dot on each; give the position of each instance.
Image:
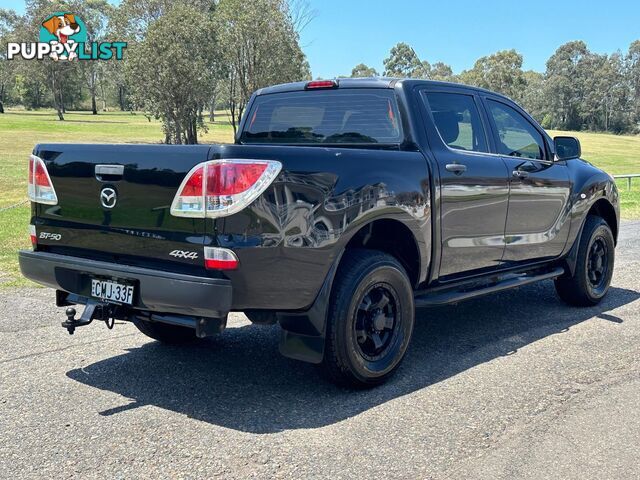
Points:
(138, 228)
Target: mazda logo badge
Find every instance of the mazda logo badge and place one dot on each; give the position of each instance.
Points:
(108, 197)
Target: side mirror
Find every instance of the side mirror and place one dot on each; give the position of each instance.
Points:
(567, 148)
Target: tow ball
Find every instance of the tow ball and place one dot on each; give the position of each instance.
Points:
(92, 311)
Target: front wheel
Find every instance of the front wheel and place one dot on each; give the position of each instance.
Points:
(370, 319)
(594, 266)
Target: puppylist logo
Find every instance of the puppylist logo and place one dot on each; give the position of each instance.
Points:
(63, 36)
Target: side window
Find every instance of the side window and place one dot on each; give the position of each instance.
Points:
(458, 121)
(516, 136)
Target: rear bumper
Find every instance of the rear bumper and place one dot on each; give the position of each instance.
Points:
(154, 290)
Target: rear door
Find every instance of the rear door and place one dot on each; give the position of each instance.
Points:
(474, 183)
(539, 187)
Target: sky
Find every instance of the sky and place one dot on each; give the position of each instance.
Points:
(345, 33)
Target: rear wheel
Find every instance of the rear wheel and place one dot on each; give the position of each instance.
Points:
(594, 266)
(370, 320)
(165, 333)
(261, 317)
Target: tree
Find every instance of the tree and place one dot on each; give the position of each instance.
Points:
(61, 78)
(178, 76)
(442, 72)
(260, 46)
(563, 84)
(8, 21)
(532, 96)
(363, 71)
(404, 62)
(501, 72)
(130, 22)
(632, 67)
(95, 14)
(603, 92)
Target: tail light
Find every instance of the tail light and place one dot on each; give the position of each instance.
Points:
(223, 187)
(32, 234)
(220, 259)
(40, 189)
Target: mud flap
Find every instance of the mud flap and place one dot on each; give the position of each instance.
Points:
(303, 333)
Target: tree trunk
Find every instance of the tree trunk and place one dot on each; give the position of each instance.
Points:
(178, 133)
(240, 112)
(38, 95)
(60, 107)
(94, 106)
(191, 131)
(195, 133)
(232, 110)
(57, 102)
(2, 99)
(212, 109)
(121, 98)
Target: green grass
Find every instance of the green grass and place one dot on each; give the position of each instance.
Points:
(616, 154)
(13, 236)
(21, 130)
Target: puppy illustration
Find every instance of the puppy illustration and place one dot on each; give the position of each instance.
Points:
(62, 26)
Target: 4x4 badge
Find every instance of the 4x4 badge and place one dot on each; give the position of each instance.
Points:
(184, 254)
(108, 197)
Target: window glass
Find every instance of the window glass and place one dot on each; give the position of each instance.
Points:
(458, 121)
(360, 116)
(516, 136)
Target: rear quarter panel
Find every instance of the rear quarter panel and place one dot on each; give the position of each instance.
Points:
(289, 237)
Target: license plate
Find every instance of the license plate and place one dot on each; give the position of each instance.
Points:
(112, 291)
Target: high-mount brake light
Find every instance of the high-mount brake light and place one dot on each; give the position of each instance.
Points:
(219, 188)
(216, 258)
(321, 84)
(40, 188)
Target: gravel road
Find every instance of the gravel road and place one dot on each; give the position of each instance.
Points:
(514, 385)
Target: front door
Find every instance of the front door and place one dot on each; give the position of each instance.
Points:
(474, 184)
(537, 226)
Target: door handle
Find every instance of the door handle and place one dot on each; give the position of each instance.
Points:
(456, 168)
(520, 173)
(105, 173)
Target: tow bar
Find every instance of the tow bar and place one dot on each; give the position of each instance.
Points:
(92, 311)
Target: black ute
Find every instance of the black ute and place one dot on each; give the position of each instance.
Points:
(341, 207)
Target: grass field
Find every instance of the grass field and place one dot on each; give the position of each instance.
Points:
(617, 155)
(21, 130)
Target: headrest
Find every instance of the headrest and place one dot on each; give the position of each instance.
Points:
(447, 123)
(356, 122)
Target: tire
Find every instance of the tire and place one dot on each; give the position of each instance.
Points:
(165, 333)
(261, 317)
(594, 266)
(370, 319)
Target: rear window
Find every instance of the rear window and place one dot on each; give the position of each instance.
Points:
(362, 116)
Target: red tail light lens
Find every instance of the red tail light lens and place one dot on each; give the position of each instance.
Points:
(220, 259)
(223, 187)
(193, 187)
(31, 170)
(233, 178)
(40, 188)
(41, 175)
(32, 234)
